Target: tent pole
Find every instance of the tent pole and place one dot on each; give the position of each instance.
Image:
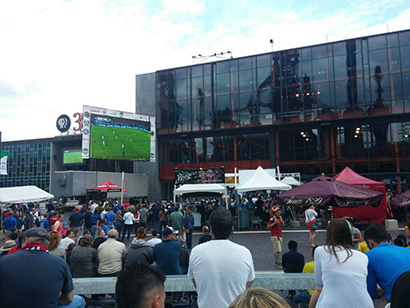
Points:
(122, 188)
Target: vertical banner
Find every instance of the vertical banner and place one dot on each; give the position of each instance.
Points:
(3, 162)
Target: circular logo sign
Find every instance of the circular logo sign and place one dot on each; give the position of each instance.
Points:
(63, 123)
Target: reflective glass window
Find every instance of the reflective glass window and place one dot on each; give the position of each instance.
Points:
(341, 93)
(397, 90)
(234, 65)
(183, 116)
(263, 60)
(181, 73)
(377, 42)
(378, 59)
(319, 52)
(223, 111)
(246, 107)
(405, 59)
(406, 85)
(264, 77)
(404, 38)
(235, 81)
(306, 53)
(392, 40)
(319, 70)
(207, 69)
(245, 64)
(182, 88)
(223, 83)
(394, 60)
(339, 49)
(340, 69)
(222, 67)
(245, 80)
(322, 94)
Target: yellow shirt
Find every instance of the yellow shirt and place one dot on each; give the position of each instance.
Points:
(309, 268)
(363, 247)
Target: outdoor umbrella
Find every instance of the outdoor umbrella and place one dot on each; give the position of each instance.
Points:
(107, 186)
(326, 191)
(402, 199)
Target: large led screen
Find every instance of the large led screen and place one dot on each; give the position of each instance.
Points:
(72, 156)
(111, 134)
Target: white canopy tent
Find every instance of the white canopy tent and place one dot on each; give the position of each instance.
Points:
(199, 188)
(23, 194)
(291, 181)
(261, 180)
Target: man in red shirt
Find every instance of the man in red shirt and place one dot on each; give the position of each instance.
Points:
(53, 219)
(275, 226)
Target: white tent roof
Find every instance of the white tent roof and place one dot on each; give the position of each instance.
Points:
(193, 188)
(23, 194)
(262, 181)
(291, 181)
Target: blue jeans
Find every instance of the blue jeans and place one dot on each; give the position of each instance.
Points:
(189, 239)
(78, 302)
(157, 226)
(126, 229)
(302, 297)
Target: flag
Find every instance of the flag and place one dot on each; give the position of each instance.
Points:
(3, 162)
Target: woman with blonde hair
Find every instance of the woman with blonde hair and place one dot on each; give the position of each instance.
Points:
(54, 248)
(340, 270)
(260, 298)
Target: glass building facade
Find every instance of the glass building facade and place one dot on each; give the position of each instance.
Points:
(28, 164)
(310, 110)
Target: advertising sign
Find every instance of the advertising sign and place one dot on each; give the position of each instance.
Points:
(200, 176)
(3, 163)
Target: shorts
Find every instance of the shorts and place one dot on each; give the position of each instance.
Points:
(277, 243)
(309, 226)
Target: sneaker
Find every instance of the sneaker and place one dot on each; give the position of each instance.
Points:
(278, 265)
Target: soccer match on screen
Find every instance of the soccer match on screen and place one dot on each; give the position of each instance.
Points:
(118, 138)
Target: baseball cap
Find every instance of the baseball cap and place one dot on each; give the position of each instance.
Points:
(168, 231)
(37, 232)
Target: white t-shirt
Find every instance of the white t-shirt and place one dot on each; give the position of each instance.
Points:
(344, 282)
(310, 215)
(152, 242)
(128, 218)
(65, 242)
(221, 270)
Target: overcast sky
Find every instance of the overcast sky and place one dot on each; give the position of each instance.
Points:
(58, 55)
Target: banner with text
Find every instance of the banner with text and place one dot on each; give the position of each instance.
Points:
(200, 176)
(3, 162)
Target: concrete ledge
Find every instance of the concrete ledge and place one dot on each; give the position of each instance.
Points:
(271, 281)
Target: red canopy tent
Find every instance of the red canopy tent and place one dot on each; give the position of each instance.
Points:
(107, 186)
(364, 213)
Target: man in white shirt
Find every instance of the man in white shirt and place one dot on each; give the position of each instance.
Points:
(65, 242)
(154, 239)
(128, 224)
(220, 265)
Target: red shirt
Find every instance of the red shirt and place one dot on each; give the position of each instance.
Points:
(53, 220)
(277, 228)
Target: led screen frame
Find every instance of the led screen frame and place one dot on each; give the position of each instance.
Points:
(113, 134)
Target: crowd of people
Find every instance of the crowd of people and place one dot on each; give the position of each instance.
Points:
(372, 268)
